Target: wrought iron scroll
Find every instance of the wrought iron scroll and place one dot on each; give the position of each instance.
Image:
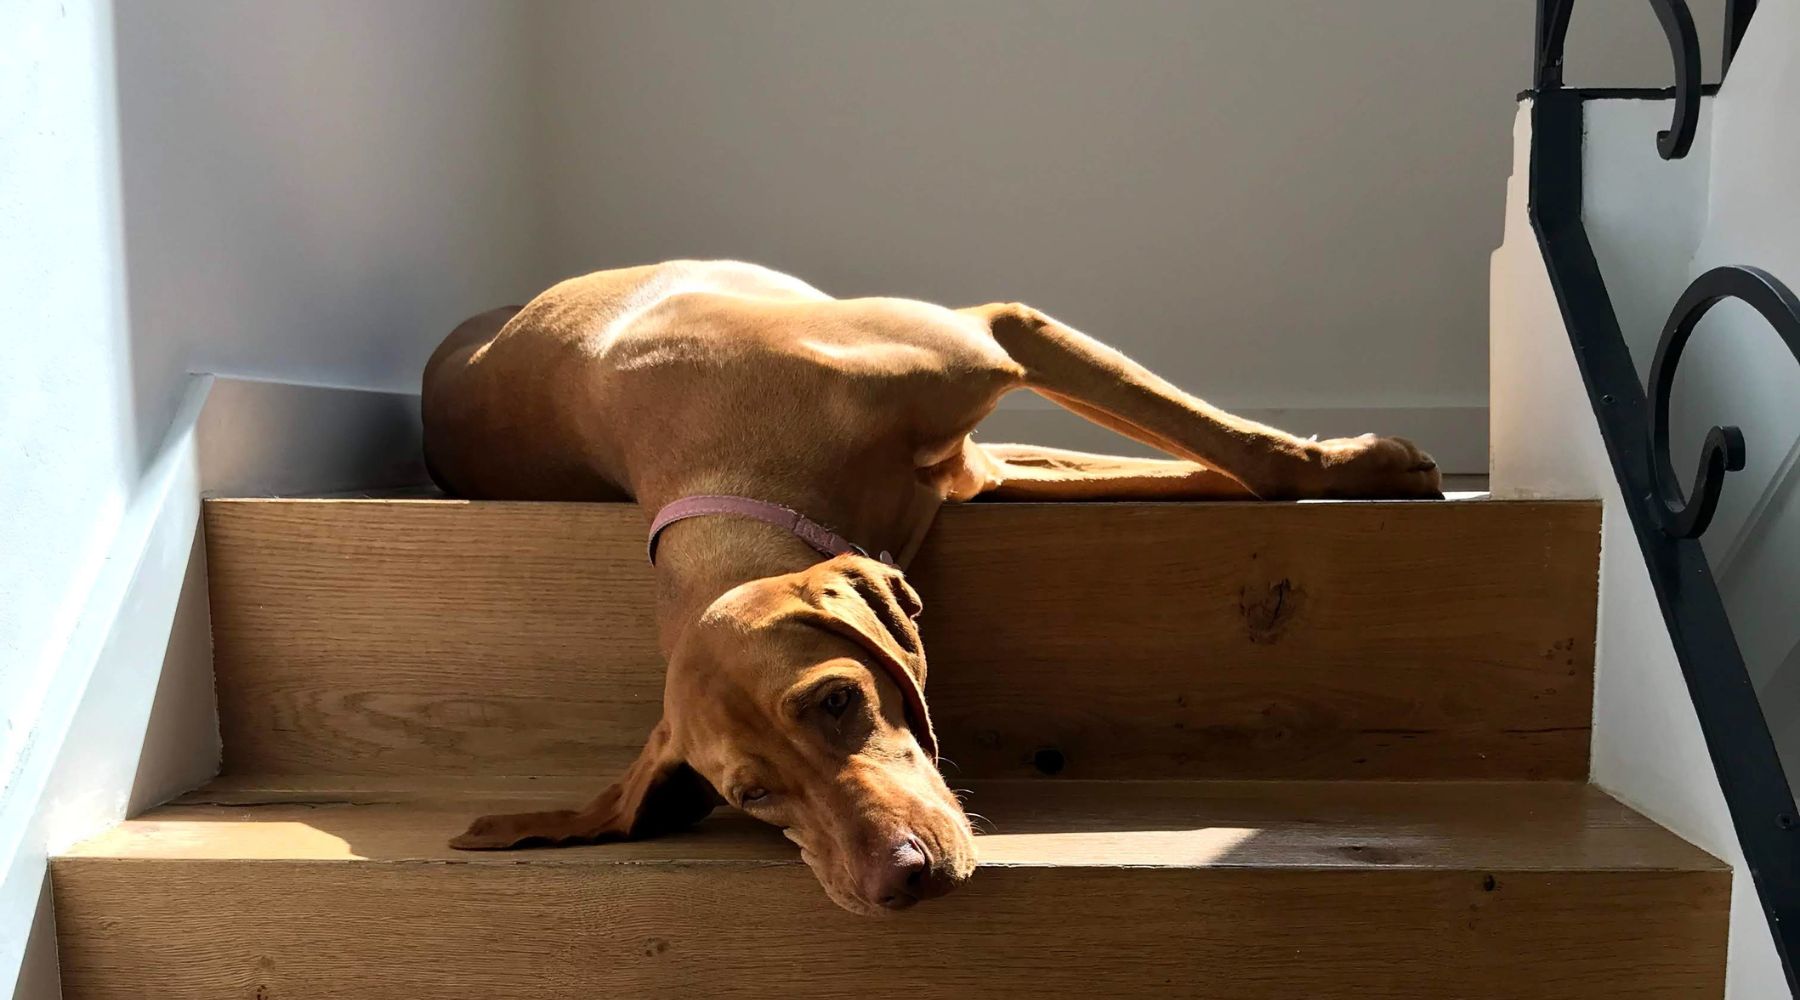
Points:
(1687, 516)
(1684, 50)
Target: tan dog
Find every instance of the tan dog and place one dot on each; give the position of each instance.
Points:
(795, 682)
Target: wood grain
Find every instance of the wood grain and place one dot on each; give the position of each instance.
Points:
(1490, 826)
(1421, 640)
(1236, 889)
(186, 930)
(1362, 640)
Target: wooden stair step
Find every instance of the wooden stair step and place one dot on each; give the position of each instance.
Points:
(1445, 640)
(319, 887)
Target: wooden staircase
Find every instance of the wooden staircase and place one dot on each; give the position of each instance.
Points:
(1226, 750)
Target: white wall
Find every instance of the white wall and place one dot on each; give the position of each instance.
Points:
(1275, 204)
(1732, 201)
(66, 453)
(315, 192)
(1740, 372)
(319, 191)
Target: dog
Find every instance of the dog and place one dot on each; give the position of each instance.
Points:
(791, 450)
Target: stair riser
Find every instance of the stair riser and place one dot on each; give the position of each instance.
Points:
(281, 929)
(1228, 641)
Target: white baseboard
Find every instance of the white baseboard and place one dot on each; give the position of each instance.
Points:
(1457, 436)
(128, 718)
(76, 771)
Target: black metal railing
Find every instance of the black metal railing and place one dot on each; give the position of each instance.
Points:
(1737, 20)
(1635, 425)
(1684, 516)
(1684, 48)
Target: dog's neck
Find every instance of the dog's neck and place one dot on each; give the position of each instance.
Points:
(701, 558)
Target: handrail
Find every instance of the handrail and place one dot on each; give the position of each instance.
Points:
(1635, 427)
(1552, 31)
(1723, 451)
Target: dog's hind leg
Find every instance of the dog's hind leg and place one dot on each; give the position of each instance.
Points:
(1030, 472)
(1109, 388)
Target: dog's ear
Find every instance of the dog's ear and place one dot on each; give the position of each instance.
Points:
(659, 794)
(872, 604)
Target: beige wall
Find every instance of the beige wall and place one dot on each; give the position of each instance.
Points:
(1283, 204)
(1278, 203)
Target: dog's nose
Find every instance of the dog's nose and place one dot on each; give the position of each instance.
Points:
(904, 876)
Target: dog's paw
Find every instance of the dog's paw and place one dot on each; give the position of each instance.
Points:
(1372, 468)
(489, 833)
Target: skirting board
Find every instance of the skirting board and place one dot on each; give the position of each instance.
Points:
(1457, 436)
(128, 718)
(140, 643)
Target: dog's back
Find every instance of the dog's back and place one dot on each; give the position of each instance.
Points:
(513, 399)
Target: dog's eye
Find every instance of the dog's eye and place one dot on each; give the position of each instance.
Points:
(838, 702)
(751, 796)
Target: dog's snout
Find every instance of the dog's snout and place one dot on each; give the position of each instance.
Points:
(895, 878)
(903, 875)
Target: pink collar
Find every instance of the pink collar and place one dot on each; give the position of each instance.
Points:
(824, 540)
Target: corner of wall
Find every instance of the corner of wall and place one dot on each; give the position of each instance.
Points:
(1543, 439)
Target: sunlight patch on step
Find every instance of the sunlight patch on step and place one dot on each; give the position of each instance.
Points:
(1448, 495)
(263, 841)
(1163, 848)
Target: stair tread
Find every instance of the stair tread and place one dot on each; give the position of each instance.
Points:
(1497, 826)
(389, 669)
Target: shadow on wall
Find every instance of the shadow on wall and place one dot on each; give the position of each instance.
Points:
(317, 192)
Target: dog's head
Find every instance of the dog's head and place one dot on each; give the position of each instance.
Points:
(800, 700)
